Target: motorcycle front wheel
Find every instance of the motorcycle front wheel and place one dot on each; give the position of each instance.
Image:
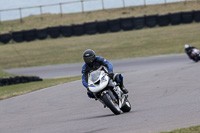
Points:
(126, 107)
(112, 105)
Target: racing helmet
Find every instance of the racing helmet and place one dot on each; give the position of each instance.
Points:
(186, 46)
(89, 56)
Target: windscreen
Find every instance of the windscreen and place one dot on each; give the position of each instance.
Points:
(94, 76)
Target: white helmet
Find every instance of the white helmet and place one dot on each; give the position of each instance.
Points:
(187, 46)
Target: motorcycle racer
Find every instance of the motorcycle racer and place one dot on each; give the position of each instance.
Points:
(188, 51)
(93, 62)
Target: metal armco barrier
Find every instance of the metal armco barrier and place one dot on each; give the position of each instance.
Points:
(115, 25)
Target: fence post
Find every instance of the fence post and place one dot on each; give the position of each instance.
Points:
(145, 3)
(41, 12)
(61, 9)
(165, 2)
(102, 4)
(123, 3)
(20, 12)
(0, 17)
(82, 3)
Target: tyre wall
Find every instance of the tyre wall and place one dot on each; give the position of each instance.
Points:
(78, 30)
(66, 31)
(18, 80)
(29, 35)
(102, 26)
(163, 20)
(127, 23)
(5, 38)
(139, 23)
(90, 28)
(115, 25)
(42, 34)
(151, 21)
(18, 36)
(54, 32)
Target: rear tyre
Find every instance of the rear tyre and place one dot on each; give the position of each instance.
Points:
(126, 107)
(111, 104)
(196, 59)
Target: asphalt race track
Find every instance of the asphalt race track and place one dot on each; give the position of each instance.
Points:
(164, 92)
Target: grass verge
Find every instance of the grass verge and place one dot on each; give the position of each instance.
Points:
(194, 129)
(135, 43)
(77, 18)
(19, 89)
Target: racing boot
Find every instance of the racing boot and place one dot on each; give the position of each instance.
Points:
(123, 88)
(119, 79)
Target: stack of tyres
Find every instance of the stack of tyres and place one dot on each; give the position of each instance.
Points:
(29, 35)
(54, 32)
(127, 24)
(102, 26)
(114, 25)
(66, 31)
(196, 16)
(18, 36)
(151, 21)
(91, 28)
(139, 23)
(41, 34)
(163, 20)
(78, 30)
(5, 38)
(187, 17)
(175, 18)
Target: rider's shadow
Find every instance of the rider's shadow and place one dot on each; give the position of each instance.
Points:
(102, 116)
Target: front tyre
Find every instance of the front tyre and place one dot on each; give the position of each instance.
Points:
(114, 107)
(126, 107)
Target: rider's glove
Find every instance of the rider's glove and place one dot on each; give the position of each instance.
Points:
(111, 75)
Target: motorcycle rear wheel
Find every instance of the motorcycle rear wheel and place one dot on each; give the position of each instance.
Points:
(114, 107)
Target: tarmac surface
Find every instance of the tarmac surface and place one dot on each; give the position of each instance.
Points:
(163, 91)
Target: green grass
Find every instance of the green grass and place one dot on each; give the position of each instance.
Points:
(19, 89)
(195, 129)
(77, 18)
(5, 74)
(135, 43)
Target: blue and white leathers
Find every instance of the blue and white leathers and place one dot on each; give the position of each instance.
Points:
(98, 62)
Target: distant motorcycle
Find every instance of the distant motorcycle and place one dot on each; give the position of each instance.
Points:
(195, 54)
(108, 91)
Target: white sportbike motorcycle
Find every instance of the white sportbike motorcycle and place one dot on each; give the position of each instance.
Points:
(195, 54)
(108, 91)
